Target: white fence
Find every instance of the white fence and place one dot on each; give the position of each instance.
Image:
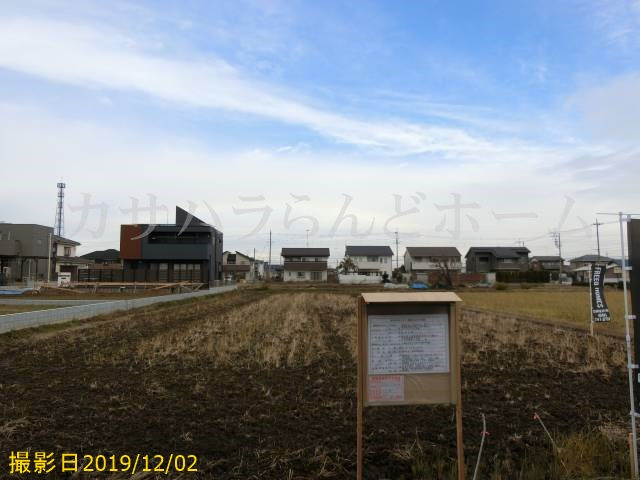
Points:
(355, 279)
(44, 301)
(16, 321)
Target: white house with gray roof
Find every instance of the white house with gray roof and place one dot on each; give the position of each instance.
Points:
(371, 260)
(305, 264)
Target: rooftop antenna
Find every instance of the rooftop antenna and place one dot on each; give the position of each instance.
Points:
(58, 227)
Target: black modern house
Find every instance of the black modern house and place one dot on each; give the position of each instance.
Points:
(497, 259)
(188, 251)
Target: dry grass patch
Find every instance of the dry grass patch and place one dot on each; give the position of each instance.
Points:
(276, 331)
(567, 305)
(542, 345)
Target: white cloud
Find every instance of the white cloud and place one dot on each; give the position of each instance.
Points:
(611, 109)
(115, 164)
(100, 57)
(37, 147)
(618, 22)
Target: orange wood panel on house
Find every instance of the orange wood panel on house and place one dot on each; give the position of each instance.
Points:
(130, 242)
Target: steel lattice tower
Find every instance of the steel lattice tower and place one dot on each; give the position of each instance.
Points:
(58, 227)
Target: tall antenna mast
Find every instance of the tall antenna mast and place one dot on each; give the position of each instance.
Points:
(58, 227)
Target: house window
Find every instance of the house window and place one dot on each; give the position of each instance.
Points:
(372, 259)
(301, 275)
(67, 251)
(483, 259)
(316, 276)
(163, 270)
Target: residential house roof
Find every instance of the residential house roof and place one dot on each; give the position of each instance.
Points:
(433, 251)
(373, 250)
(65, 241)
(591, 258)
(500, 252)
(243, 255)
(73, 261)
(110, 254)
(546, 258)
(305, 252)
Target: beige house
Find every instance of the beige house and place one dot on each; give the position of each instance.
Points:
(373, 260)
(305, 264)
(237, 266)
(420, 262)
(66, 259)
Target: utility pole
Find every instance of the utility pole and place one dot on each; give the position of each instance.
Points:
(558, 241)
(49, 262)
(396, 232)
(269, 270)
(255, 267)
(597, 225)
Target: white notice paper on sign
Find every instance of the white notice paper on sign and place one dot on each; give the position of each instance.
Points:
(402, 344)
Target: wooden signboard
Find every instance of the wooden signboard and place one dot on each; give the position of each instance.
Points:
(408, 354)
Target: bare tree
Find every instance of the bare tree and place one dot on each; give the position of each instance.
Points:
(444, 272)
(347, 265)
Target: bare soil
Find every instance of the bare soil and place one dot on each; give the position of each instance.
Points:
(203, 377)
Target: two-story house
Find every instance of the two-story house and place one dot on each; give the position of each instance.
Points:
(25, 252)
(66, 259)
(189, 250)
(109, 258)
(28, 251)
(588, 260)
(497, 259)
(305, 264)
(237, 266)
(548, 263)
(420, 262)
(371, 260)
(580, 267)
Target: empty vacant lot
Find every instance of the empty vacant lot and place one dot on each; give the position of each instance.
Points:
(563, 304)
(260, 384)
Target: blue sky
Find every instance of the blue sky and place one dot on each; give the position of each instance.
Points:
(517, 107)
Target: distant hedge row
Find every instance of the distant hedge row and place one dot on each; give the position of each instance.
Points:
(529, 276)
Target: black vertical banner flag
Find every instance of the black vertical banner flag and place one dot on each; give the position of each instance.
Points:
(633, 241)
(599, 310)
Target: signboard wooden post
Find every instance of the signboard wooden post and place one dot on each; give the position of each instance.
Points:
(408, 354)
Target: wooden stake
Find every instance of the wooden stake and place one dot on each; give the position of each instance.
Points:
(459, 439)
(360, 400)
(631, 458)
(459, 442)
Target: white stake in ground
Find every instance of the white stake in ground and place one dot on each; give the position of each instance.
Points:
(590, 301)
(630, 365)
